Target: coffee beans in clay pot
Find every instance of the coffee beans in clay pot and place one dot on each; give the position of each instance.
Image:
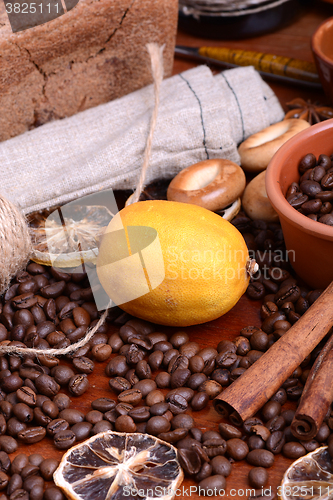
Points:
(312, 194)
(158, 383)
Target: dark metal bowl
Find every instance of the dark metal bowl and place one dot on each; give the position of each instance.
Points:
(240, 24)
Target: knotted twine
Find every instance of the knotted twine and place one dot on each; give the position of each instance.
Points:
(15, 242)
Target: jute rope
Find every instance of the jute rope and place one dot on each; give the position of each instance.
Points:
(15, 243)
(156, 57)
(21, 351)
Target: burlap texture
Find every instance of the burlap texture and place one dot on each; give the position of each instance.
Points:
(200, 116)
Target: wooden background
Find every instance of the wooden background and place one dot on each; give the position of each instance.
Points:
(294, 41)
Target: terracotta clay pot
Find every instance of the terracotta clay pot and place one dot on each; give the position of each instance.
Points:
(309, 243)
(322, 48)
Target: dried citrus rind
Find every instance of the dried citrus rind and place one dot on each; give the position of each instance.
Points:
(68, 238)
(116, 466)
(309, 478)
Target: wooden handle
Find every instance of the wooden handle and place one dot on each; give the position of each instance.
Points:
(244, 397)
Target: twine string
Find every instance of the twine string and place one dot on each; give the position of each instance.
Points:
(156, 57)
(21, 351)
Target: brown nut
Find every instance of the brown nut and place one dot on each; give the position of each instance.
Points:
(255, 201)
(257, 150)
(212, 184)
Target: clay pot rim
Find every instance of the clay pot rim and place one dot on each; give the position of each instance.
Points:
(316, 40)
(274, 191)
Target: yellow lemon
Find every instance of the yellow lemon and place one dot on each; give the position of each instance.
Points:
(172, 263)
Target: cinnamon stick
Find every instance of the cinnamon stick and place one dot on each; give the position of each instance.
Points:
(317, 395)
(244, 397)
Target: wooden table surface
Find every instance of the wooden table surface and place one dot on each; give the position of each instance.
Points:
(294, 41)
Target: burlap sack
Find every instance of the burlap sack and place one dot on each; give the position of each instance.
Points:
(200, 116)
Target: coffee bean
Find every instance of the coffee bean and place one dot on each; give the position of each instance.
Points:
(237, 449)
(47, 385)
(326, 219)
(280, 396)
(32, 435)
(14, 426)
(189, 349)
(53, 493)
(157, 425)
(293, 449)
(23, 412)
(82, 430)
(178, 339)
(48, 467)
(169, 355)
(323, 433)
(210, 483)
(125, 423)
(310, 445)
(19, 494)
(255, 290)
(8, 444)
(123, 408)
(179, 377)
(260, 458)
(62, 401)
(117, 367)
(53, 291)
(83, 365)
(255, 443)
(78, 384)
(94, 416)
(190, 461)
(155, 360)
(140, 414)
(178, 362)
(101, 352)
(270, 410)
(64, 439)
(154, 397)
(249, 423)
(132, 377)
(143, 370)
(103, 404)
(199, 401)
(182, 421)
(196, 379)
(145, 386)
(141, 326)
(19, 462)
(119, 384)
(131, 396)
(71, 416)
(276, 424)
(275, 442)
(258, 477)
(173, 436)
(102, 426)
(15, 483)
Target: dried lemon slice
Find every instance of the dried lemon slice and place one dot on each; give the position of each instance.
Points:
(309, 478)
(117, 465)
(69, 236)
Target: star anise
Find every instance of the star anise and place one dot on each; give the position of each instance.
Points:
(313, 112)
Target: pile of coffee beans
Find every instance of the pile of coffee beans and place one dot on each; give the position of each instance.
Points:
(157, 381)
(25, 477)
(313, 194)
